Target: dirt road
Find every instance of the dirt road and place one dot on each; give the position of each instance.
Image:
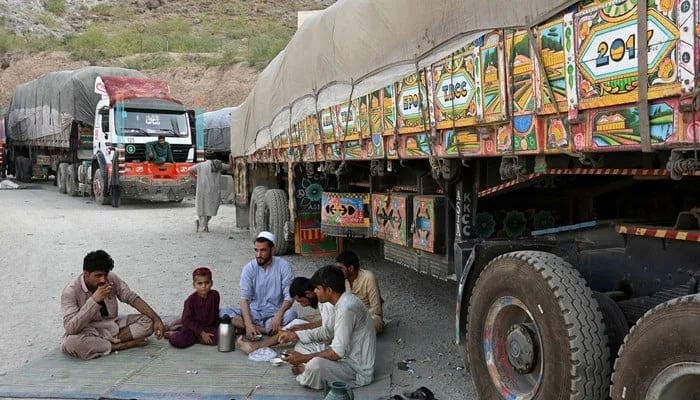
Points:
(45, 235)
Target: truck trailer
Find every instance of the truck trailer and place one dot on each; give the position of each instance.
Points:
(543, 154)
(91, 128)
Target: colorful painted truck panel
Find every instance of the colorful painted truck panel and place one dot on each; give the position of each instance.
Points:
(428, 222)
(570, 85)
(391, 217)
(345, 214)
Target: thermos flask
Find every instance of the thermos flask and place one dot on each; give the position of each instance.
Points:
(227, 334)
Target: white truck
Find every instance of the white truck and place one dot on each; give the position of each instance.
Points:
(90, 128)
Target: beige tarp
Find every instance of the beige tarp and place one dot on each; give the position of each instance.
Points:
(357, 46)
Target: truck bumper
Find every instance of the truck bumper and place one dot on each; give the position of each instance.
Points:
(147, 188)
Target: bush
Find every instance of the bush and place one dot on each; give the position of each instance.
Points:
(151, 61)
(263, 47)
(9, 41)
(57, 7)
(90, 45)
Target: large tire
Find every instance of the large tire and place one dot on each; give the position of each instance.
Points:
(535, 331)
(257, 204)
(99, 188)
(61, 177)
(660, 358)
(616, 326)
(71, 180)
(277, 208)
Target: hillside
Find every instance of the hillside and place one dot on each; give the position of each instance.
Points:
(209, 51)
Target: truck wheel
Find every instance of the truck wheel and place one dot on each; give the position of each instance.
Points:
(535, 331)
(71, 180)
(616, 326)
(277, 211)
(61, 177)
(99, 188)
(257, 203)
(660, 358)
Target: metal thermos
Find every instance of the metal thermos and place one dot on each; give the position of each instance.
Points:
(227, 335)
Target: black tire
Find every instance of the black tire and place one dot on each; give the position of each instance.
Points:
(539, 304)
(257, 203)
(616, 326)
(662, 343)
(71, 180)
(277, 205)
(99, 188)
(61, 177)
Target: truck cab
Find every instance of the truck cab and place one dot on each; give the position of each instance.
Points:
(124, 128)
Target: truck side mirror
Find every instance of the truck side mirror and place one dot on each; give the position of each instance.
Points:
(104, 113)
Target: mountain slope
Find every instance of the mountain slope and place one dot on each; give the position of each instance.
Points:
(209, 51)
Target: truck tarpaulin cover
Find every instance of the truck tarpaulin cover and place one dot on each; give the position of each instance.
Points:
(125, 88)
(355, 47)
(42, 110)
(217, 129)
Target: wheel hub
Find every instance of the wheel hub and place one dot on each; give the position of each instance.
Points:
(677, 381)
(520, 348)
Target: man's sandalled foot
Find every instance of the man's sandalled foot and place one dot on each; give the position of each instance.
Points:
(245, 346)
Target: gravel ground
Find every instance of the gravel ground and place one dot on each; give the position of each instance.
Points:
(45, 236)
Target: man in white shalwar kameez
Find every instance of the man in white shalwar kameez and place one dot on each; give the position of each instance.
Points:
(208, 197)
(350, 356)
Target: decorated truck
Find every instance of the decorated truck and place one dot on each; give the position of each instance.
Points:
(543, 154)
(91, 129)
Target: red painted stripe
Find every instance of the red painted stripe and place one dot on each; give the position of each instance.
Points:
(690, 236)
(614, 172)
(507, 185)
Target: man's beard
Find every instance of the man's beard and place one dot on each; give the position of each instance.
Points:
(262, 261)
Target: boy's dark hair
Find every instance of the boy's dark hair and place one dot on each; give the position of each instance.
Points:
(348, 257)
(98, 260)
(330, 277)
(299, 286)
(201, 271)
(161, 137)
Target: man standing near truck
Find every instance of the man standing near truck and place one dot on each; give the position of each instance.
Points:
(93, 326)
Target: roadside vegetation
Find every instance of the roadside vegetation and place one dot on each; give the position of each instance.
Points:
(223, 33)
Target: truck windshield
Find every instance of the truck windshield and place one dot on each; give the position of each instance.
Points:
(152, 123)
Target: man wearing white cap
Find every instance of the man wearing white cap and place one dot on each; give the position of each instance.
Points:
(265, 300)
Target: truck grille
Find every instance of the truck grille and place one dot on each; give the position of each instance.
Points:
(139, 152)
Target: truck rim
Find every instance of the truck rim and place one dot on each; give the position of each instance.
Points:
(511, 346)
(676, 382)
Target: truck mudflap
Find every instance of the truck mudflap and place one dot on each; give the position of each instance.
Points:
(147, 181)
